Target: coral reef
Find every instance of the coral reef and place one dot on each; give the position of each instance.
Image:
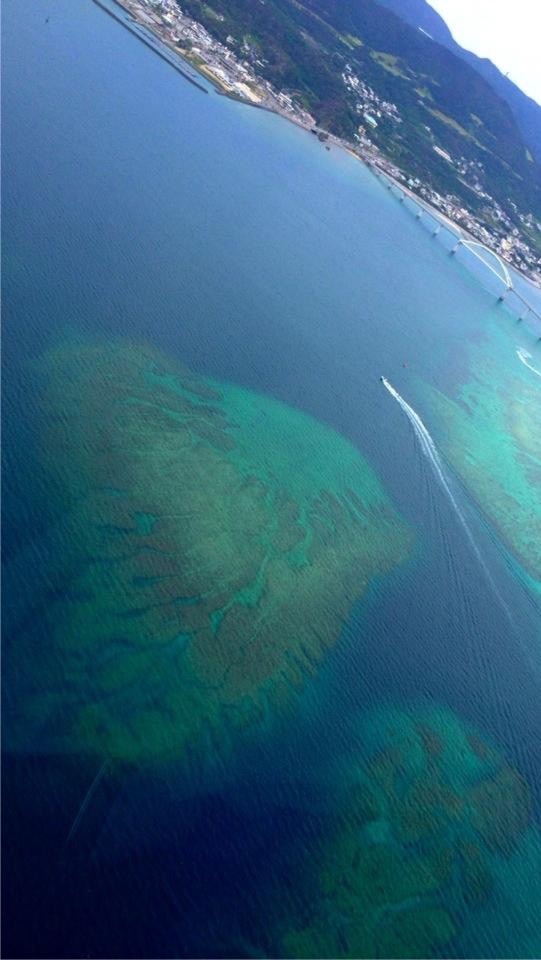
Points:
(414, 847)
(212, 544)
(492, 437)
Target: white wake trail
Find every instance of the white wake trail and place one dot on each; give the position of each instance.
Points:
(427, 446)
(87, 798)
(525, 357)
(429, 449)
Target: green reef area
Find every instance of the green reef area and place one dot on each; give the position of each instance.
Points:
(492, 438)
(430, 851)
(210, 545)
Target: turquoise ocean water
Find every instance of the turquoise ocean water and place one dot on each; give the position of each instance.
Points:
(144, 218)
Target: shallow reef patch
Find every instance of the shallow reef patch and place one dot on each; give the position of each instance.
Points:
(426, 824)
(491, 420)
(209, 544)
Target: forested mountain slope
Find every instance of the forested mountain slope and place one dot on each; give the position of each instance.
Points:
(527, 112)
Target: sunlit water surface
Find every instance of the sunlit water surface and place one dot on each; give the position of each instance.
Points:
(272, 655)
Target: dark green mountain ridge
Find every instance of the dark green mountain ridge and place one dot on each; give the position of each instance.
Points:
(527, 113)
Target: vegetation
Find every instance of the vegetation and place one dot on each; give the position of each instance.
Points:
(526, 111)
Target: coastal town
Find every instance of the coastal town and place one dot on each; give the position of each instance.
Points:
(233, 68)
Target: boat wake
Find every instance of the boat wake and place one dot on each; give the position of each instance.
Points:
(87, 799)
(429, 449)
(525, 358)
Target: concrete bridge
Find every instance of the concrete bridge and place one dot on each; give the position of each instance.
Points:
(478, 248)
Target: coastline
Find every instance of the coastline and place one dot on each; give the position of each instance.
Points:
(194, 63)
(129, 21)
(198, 65)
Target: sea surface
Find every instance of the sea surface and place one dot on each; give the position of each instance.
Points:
(175, 253)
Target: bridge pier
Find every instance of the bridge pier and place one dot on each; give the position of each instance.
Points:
(437, 230)
(501, 298)
(419, 214)
(456, 246)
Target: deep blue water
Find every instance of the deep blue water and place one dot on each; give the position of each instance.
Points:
(136, 205)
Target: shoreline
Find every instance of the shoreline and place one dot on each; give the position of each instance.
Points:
(222, 89)
(195, 64)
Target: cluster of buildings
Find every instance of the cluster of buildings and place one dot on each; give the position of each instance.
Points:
(502, 236)
(177, 29)
(368, 105)
(232, 70)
